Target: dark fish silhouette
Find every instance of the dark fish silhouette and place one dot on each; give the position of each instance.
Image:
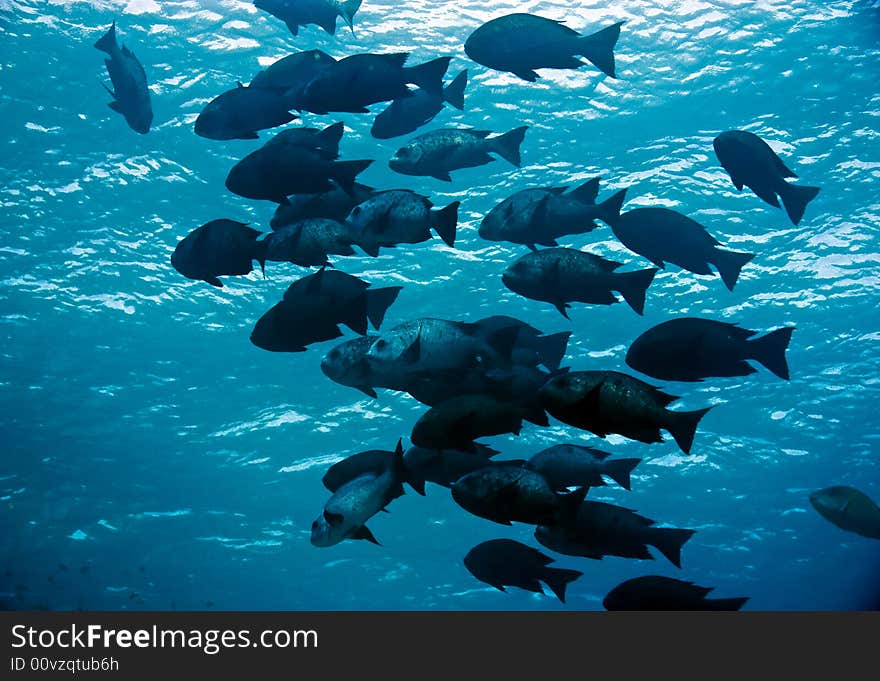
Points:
(691, 349)
(314, 306)
(292, 72)
(324, 142)
(131, 96)
(562, 275)
(604, 402)
(521, 43)
(444, 466)
(239, 113)
(543, 215)
(277, 170)
(751, 162)
(439, 152)
(505, 562)
(354, 83)
(309, 243)
(217, 248)
(662, 235)
(407, 114)
(531, 346)
(400, 216)
(457, 422)
(598, 529)
(849, 509)
(566, 466)
(666, 593)
(323, 13)
(334, 204)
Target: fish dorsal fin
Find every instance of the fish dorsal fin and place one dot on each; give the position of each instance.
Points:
(315, 282)
(587, 192)
(333, 519)
(480, 133)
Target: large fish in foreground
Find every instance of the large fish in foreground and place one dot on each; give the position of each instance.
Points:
(691, 349)
(522, 43)
(663, 235)
(751, 162)
(131, 96)
(849, 509)
(407, 114)
(505, 562)
(666, 593)
(439, 152)
(563, 275)
(323, 13)
(605, 402)
(216, 248)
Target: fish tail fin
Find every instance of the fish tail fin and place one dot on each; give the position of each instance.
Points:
(445, 222)
(619, 470)
(795, 199)
(598, 48)
(345, 172)
(507, 145)
(633, 286)
(347, 10)
(669, 541)
(107, 42)
(429, 76)
(770, 350)
(552, 349)
(727, 603)
(729, 264)
(683, 426)
(378, 302)
(454, 92)
(558, 579)
(609, 209)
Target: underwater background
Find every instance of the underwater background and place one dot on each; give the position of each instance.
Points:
(153, 458)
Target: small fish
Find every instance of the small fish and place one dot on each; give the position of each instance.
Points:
(691, 349)
(562, 275)
(219, 247)
(566, 466)
(751, 162)
(444, 466)
(505, 562)
(521, 43)
(666, 593)
(439, 152)
(131, 96)
(604, 402)
(457, 422)
(407, 114)
(335, 204)
(662, 235)
(323, 13)
(291, 72)
(240, 112)
(849, 509)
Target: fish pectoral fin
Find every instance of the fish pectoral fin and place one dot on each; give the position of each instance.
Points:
(363, 532)
(248, 136)
(563, 308)
(115, 106)
(442, 176)
(527, 74)
(214, 281)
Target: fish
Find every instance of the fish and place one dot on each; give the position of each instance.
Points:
(565, 466)
(598, 529)
(663, 235)
(849, 509)
(604, 402)
(309, 243)
(131, 94)
(521, 43)
(314, 306)
(444, 466)
(347, 365)
(324, 142)
(291, 72)
(751, 163)
(439, 152)
(665, 593)
(322, 13)
(457, 422)
(511, 493)
(350, 507)
(219, 247)
(334, 204)
(407, 114)
(400, 216)
(374, 461)
(563, 275)
(540, 216)
(506, 562)
(360, 80)
(275, 171)
(531, 346)
(242, 111)
(692, 349)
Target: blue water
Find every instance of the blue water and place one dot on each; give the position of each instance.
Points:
(153, 458)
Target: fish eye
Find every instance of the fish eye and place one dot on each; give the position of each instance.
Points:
(381, 344)
(404, 152)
